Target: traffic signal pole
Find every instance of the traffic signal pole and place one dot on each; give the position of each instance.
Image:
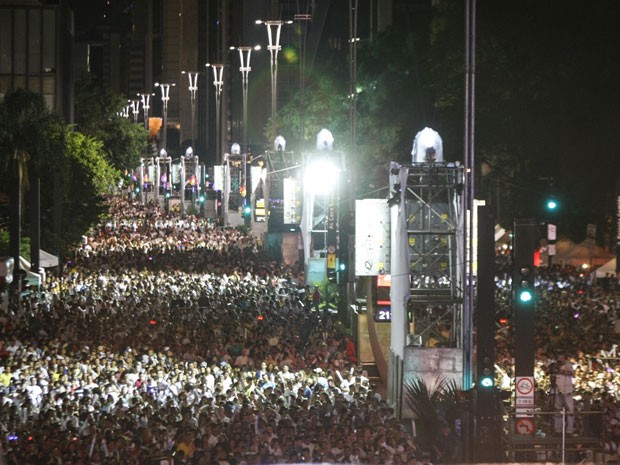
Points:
(524, 309)
(524, 300)
(486, 410)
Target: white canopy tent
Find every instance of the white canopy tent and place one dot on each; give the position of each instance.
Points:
(46, 260)
(607, 270)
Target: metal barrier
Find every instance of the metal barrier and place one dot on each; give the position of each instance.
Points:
(533, 438)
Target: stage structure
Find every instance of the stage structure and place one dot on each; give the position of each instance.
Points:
(276, 200)
(426, 267)
(320, 218)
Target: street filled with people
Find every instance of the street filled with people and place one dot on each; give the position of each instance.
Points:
(167, 336)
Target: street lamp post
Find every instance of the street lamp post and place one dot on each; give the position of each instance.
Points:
(135, 109)
(165, 97)
(193, 88)
(146, 104)
(218, 83)
(245, 53)
(274, 28)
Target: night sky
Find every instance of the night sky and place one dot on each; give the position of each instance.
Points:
(547, 93)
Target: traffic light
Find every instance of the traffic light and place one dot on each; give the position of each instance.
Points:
(525, 241)
(524, 287)
(247, 211)
(486, 373)
(551, 205)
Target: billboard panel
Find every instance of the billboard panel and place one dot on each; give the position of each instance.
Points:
(372, 237)
(317, 273)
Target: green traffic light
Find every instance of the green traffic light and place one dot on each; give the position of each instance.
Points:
(247, 210)
(526, 296)
(487, 382)
(342, 266)
(552, 205)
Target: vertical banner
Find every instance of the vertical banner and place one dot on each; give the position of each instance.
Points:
(218, 177)
(292, 206)
(332, 236)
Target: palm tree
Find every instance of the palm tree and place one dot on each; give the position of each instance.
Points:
(21, 116)
(432, 405)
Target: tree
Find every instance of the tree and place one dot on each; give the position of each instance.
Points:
(323, 106)
(97, 115)
(88, 178)
(72, 167)
(23, 149)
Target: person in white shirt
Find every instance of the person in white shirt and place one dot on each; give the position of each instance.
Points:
(562, 391)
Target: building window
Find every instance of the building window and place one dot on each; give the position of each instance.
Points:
(6, 41)
(49, 41)
(19, 37)
(34, 41)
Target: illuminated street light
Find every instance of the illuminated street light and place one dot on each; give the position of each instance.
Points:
(274, 28)
(165, 97)
(245, 53)
(124, 113)
(218, 83)
(193, 88)
(135, 109)
(145, 99)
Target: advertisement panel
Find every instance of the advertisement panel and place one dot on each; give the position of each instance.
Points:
(372, 237)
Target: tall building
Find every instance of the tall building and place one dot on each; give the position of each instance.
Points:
(154, 41)
(130, 45)
(36, 43)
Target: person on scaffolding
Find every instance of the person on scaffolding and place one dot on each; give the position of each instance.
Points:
(562, 373)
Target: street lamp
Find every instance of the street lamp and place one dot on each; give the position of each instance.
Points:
(274, 28)
(124, 113)
(193, 88)
(218, 83)
(135, 109)
(245, 53)
(146, 104)
(165, 97)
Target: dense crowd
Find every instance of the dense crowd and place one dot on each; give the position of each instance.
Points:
(166, 335)
(170, 336)
(578, 315)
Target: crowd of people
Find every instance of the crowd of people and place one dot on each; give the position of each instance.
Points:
(167, 336)
(578, 325)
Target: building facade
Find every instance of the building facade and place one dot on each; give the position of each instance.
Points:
(36, 46)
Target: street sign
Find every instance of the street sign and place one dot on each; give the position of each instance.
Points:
(525, 385)
(525, 426)
(525, 395)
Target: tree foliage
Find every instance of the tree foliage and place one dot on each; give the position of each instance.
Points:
(432, 405)
(97, 115)
(87, 179)
(546, 99)
(72, 168)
